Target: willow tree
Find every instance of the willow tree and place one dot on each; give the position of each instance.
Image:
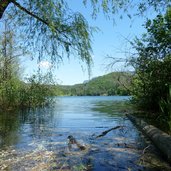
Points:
(49, 28)
(52, 29)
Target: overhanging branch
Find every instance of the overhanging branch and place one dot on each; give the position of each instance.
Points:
(3, 5)
(34, 15)
(43, 21)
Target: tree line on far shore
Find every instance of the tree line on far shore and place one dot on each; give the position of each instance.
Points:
(115, 83)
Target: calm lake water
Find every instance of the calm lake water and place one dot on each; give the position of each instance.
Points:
(37, 139)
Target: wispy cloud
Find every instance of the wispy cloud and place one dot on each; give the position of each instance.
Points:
(45, 64)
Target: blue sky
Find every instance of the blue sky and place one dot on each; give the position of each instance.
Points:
(110, 40)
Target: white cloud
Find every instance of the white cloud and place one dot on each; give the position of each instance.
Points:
(45, 64)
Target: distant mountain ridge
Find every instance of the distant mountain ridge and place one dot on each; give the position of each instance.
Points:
(115, 83)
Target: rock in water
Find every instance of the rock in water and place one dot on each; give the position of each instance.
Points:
(72, 140)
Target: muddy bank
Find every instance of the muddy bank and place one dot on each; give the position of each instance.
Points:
(160, 139)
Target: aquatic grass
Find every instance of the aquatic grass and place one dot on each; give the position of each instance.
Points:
(165, 108)
(113, 108)
(80, 167)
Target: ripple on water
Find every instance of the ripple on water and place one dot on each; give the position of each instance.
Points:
(37, 140)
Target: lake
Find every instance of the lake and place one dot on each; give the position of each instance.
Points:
(38, 139)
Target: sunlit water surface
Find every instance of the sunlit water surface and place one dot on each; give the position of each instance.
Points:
(37, 139)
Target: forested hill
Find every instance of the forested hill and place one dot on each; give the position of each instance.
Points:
(115, 83)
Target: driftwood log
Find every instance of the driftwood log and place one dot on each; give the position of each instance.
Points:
(160, 139)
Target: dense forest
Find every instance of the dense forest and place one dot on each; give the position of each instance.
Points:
(116, 83)
(151, 85)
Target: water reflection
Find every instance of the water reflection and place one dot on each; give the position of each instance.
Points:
(9, 128)
(22, 126)
(37, 139)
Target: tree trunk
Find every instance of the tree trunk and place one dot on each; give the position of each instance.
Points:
(160, 139)
(3, 5)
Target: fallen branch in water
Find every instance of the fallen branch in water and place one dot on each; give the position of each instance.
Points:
(105, 132)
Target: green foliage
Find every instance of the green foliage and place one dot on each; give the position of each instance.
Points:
(37, 91)
(150, 85)
(165, 107)
(152, 80)
(111, 7)
(13, 92)
(110, 84)
(52, 30)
